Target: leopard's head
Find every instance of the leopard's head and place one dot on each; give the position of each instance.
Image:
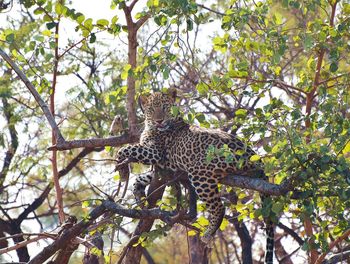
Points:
(157, 107)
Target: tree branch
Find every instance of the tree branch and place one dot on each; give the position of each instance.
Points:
(36, 95)
(75, 230)
(257, 184)
(142, 20)
(211, 10)
(96, 142)
(332, 245)
(24, 243)
(292, 233)
(337, 258)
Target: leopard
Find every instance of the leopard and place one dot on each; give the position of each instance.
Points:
(169, 142)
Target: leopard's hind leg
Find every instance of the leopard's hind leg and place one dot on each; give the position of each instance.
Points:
(207, 191)
(139, 186)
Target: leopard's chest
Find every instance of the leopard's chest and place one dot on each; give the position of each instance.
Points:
(153, 138)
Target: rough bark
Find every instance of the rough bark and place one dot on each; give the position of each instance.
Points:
(199, 252)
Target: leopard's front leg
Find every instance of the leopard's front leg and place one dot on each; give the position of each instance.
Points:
(135, 153)
(139, 153)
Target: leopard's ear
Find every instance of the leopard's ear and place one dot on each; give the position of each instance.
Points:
(142, 101)
(172, 92)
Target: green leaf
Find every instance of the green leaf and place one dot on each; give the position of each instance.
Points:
(224, 224)
(189, 23)
(200, 117)
(59, 8)
(278, 18)
(50, 25)
(333, 67)
(174, 110)
(80, 18)
(10, 37)
(46, 33)
(102, 22)
(241, 113)
(88, 24)
(92, 38)
(254, 158)
(277, 207)
(202, 88)
(153, 67)
(308, 41)
(346, 8)
(191, 233)
(85, 204)
(202, 221)
(114, 19)
(166, 72)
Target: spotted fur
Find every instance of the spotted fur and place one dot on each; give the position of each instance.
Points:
(185, 148)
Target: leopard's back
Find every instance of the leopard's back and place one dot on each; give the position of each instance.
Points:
(189, 149)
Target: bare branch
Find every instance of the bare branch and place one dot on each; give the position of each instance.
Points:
(257, 184)
(36, 95)
(142, 20)
(23, 243)
(95, 142)
(211, 10)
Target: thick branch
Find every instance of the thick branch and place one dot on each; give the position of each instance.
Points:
(79, 228)
(95, 142)
(141, 21)
(67, 236)
(58, 188)
(256, 184)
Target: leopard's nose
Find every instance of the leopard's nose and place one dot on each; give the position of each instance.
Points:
(159, 121)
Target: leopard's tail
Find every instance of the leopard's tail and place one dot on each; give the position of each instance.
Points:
(270, 242)
(269, 225)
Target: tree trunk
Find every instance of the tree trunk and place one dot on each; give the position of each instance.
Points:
(198, 250)
(134, 254)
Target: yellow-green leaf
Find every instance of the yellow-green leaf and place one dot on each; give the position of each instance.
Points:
(102, 22)
(46, 32)
(254, 158)
(191, 233)
(223, 224)
(241, 112)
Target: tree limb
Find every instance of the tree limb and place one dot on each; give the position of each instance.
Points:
(36, 95)
(96, 142)
(23, 243)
